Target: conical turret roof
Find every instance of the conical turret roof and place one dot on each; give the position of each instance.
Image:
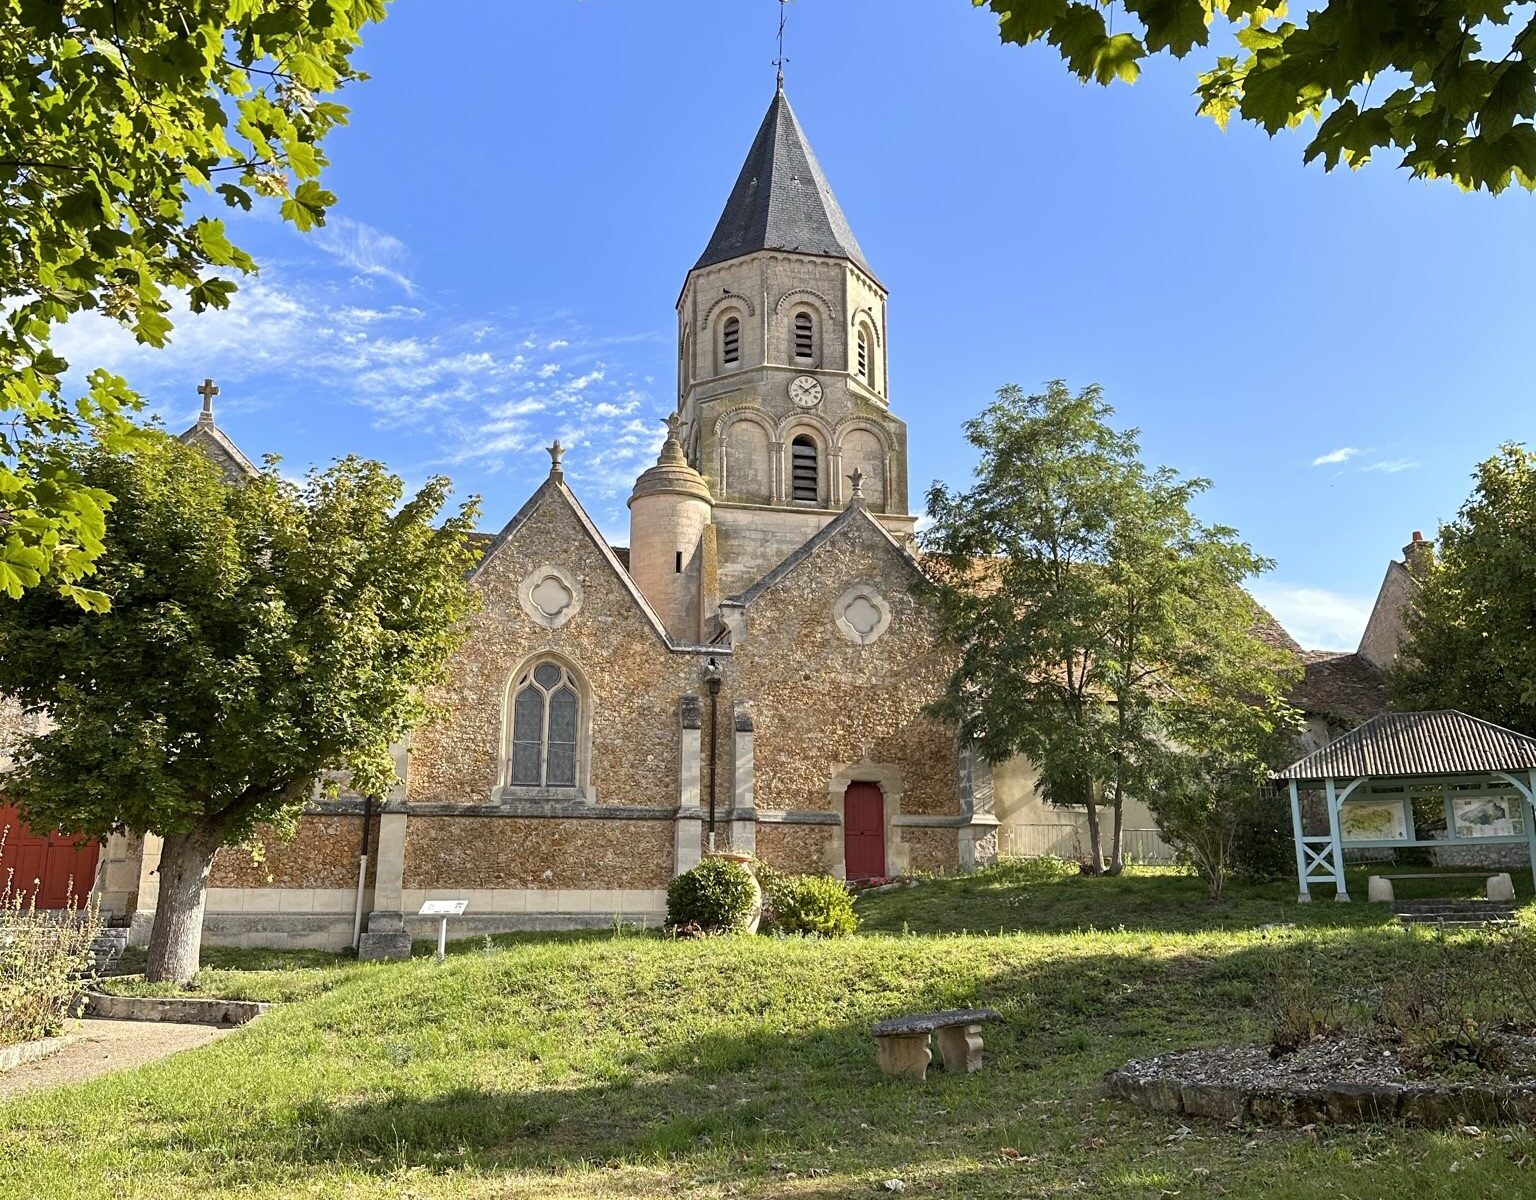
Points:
(781, 200)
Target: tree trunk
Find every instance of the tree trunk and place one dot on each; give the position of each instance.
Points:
(1095, 849)
(176, 938)
(1117, 836)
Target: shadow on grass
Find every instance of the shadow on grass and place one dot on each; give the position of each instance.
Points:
(760, 1086)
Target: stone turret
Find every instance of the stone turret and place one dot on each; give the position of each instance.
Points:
(671, 541)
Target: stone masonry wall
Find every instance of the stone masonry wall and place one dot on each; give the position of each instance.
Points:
(797, 849)
(536, 852)
(634, 681)
(321, 854)
(821, 702)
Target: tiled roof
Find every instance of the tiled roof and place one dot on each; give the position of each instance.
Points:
(1346, 686)
(1440, 742)
(781, 200)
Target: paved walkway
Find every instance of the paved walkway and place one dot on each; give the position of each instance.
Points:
(99, 1047)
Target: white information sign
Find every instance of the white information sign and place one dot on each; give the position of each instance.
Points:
(444, 908)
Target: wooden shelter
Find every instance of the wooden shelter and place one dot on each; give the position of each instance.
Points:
(1399, 775)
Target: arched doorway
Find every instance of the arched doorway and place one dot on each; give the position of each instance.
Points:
(59, 867)
(863, 830)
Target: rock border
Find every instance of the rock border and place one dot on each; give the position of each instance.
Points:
(1341, 1103)
(187, 1010)
(25, 1052)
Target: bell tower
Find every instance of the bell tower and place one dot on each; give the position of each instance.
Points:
(783, 389)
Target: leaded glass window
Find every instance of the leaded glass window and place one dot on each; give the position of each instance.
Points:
(546, 722)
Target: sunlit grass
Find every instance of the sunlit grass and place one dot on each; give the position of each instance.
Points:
(598, 1066)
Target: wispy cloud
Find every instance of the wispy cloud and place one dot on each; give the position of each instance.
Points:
(477, 398)
(1391, 466)
(370, 251)
(1316, 617)
(1341, 455)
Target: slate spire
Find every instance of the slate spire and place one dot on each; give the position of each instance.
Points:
(781, 200)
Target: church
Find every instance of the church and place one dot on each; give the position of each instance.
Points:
(751, 672)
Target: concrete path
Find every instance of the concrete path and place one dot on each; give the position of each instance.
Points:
(99, 1047)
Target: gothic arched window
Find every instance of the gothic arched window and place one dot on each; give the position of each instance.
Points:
(546, 725)
(730, 341)
(862, 362)
(804, 477)
(805, 337)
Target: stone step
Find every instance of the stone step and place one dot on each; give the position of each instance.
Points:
(1467, 907)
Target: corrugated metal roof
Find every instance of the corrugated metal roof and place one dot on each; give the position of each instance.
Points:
(1440, 742)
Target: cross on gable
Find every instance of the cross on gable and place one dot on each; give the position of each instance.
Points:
(208, 391)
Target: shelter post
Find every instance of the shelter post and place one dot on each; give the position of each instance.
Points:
(1341, 892)
(1301, 847)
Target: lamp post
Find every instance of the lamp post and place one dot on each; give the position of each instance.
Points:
(712, 676)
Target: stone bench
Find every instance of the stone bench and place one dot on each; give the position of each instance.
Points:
(901, 1044)
(1501, 887)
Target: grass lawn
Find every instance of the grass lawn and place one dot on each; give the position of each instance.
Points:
(604, 1066)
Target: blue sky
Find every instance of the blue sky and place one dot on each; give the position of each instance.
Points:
(523, 187)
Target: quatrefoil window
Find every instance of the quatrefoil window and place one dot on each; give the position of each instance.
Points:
(550, 596)
(861, 614)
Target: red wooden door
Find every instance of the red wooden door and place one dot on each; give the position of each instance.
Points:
(864, 830)
(57, 866)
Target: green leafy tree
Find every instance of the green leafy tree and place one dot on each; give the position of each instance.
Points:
(1471, 632)
(1448, 87)
(261, 634)
(1097, 620)
(123, 125)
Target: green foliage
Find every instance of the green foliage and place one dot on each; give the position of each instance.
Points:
(1265, 849)
(1097, 620)
(261, 634)
(810, 904)
(1456, 83)
(42, 952)
(717, 896)
(115, 121)
(1471, 640)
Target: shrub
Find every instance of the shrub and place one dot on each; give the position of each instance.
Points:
(811, 904)
(1300, 1010)
(42, 954)
(717, 896)
(1447, 1013)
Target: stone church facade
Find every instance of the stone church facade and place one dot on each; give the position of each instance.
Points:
(751, 672)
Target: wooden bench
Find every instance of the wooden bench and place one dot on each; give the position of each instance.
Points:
(1500, 886)
(901, 1044)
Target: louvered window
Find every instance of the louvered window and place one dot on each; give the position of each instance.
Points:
(803, 473)
(805, 336)
(863, 360)
(730, 342)
(545, 720)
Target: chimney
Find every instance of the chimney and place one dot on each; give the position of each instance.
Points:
(1418, 554)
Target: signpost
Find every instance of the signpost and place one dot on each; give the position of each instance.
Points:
(443, 909)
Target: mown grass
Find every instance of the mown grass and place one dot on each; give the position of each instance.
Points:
(602, 1067)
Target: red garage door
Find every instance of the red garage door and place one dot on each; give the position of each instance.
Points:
(58, 867)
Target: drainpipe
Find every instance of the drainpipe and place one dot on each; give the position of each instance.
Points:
(712, 676)
(362, 873)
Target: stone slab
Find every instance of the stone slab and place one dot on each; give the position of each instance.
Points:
(181, 1010)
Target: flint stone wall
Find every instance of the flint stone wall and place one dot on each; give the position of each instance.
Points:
(518, 852)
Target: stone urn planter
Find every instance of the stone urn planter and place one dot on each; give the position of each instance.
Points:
(755, 918)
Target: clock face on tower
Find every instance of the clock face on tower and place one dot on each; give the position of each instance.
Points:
(805, 390)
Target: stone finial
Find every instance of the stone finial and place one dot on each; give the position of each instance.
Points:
(673, 423)
(556, 453)
(857, 480)
(207, 391)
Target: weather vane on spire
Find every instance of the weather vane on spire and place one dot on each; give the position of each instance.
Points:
(781, 60)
